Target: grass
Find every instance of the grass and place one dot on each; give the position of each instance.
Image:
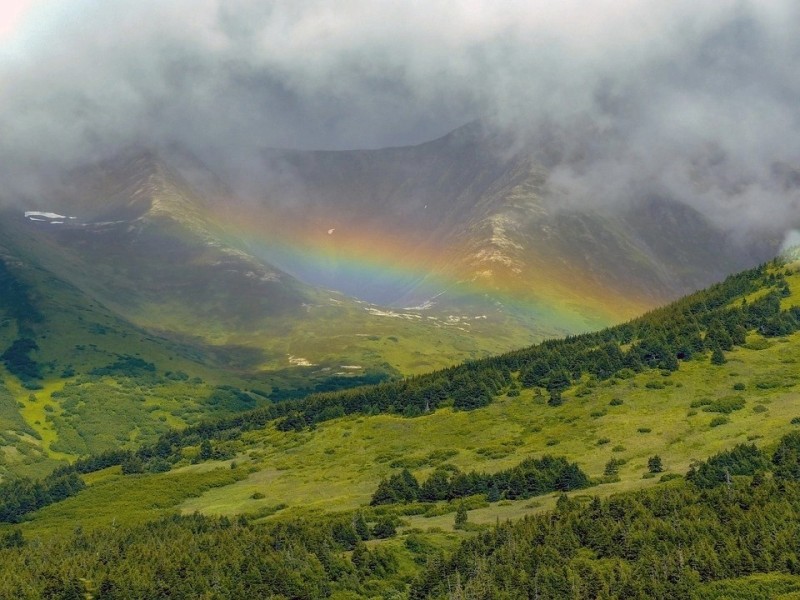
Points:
(113, 498)
(73, 415)
(683, 416)
(33, 405)
(338, 465)
(772, 586)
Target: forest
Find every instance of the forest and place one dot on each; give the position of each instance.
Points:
(661, 543)
(670, 541)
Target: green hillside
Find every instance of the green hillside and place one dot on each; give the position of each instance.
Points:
(79, 376)
(634, 408)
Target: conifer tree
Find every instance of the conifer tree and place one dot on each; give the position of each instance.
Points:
(461, 516)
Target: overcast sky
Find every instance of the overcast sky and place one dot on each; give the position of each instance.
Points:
(697, 99)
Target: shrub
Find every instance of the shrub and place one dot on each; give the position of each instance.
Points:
(612, 467)
(384, 528)
(461, 517)
(725, 405)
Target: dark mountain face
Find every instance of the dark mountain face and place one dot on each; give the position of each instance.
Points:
(136, 238)
(476, 211)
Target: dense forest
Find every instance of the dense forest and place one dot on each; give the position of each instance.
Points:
(662, 543)
(200, 557)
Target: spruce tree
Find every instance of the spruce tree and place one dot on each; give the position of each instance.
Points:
(461, 516)
(654, 464)
(718, 357)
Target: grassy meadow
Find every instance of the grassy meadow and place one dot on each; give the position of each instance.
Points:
(336, 466)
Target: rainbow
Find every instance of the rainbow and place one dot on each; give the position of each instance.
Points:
(344, 257)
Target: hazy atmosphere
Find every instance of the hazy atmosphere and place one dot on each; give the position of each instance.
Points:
(403, 299)
(697, 102)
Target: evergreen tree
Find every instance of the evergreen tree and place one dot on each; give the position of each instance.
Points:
(461, 516)
(360, 526)
(132, 464)
(493, 493)
(555, 398)
(206, 450)
(611, 468)
(718, 357)
(384, 528)
(654, 464)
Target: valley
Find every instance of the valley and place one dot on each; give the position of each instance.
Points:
(307, 463)
(150, 294)
(399, 300)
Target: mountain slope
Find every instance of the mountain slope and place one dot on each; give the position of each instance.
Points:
(125, 310)
(476, 213)
(626, 393)
(611, 401)
(139, 243)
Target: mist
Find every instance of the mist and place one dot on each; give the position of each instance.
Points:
(622, 99)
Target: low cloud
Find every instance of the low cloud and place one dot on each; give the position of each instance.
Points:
(697, 101)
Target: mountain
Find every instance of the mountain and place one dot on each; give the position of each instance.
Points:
(144, 242)
(475, 214)
(126, 306)
(150, 263)
(465, 227)
(682, 420)
(137, 239)
(77, 377)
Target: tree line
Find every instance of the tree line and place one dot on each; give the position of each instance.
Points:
(21, 496)
(532, 477)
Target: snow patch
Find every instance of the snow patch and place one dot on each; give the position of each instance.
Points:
(46, 215)
(299, 361)
(427, 304)
(390, 313)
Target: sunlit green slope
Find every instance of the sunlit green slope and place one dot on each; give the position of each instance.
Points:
(682, 414)
(634, 406)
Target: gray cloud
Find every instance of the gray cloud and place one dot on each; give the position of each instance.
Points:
(693, 100)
